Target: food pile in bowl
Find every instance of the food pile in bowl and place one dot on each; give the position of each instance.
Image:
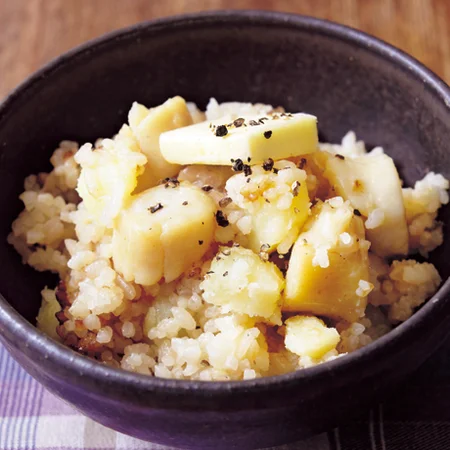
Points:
(226, 245)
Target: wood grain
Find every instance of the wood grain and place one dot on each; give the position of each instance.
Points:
(35, 31)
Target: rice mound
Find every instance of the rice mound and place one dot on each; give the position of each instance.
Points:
(169, 330)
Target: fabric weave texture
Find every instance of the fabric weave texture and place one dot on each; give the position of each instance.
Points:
(416, 418)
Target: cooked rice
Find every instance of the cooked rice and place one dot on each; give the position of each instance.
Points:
(172, 330)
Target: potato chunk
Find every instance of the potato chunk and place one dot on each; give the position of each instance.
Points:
(328, 263)
(147, 126)
(241, 282)
(259, 137)
(46, 320)
(108, 177)
(276, 202)
(162, 232)
(372, 185)
(309, 336)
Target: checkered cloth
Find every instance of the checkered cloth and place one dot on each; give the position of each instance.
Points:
(418, 418)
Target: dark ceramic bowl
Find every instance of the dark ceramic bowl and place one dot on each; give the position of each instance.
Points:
(346, 78)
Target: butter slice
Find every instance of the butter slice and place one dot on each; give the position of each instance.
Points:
(278, 137)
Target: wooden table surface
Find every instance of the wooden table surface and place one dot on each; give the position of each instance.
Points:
(34, 31)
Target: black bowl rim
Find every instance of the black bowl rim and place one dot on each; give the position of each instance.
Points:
(429, 316)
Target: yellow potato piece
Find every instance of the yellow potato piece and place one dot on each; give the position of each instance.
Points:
(329, 291)
(309, 336)
(371, 182)
(108, 177)
(147, 126)
(164, 243)
(241, 282)
(286, 136)
(329, 288)
(271, 226)
(137, 250)
(46, 320)
(277, 203)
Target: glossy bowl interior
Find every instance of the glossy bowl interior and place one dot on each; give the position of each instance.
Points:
(346, 78)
